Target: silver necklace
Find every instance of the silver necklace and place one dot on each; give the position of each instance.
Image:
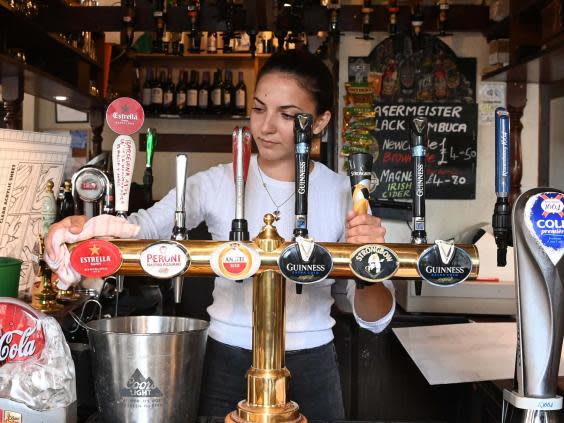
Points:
(277, 211)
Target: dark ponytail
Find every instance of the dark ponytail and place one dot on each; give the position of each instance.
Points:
(310, 72)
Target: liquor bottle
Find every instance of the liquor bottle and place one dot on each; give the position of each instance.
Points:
(67, 205)
(407, 70)
(166, 42)
(440, 88)
(389, 81)
(241, 97)
(425, 82)
(216, 93)
(181, 93)
(228, 90)
(168, 94)
(212, 43)
(136, 90)
(192, 93)
(157, 91)
(158, 18)
(147, 87)
(203, 94)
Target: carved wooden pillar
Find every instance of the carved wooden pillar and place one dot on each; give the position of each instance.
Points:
(12, 94)
(97, 125)
(516, 101)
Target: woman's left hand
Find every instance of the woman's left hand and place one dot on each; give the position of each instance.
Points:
(364, 229)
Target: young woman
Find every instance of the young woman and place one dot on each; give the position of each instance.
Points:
(290, 82)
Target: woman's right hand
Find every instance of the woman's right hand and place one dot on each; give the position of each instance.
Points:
(72, 224)
(77, 228)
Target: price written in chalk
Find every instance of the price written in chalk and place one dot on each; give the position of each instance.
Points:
(450, 157)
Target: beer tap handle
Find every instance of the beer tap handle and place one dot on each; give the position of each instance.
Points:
(148, 175)
(241, 159)
(419, 130)
(179, 232)
(123, 160)
(360, 174)
(501, 219)
(303, 123)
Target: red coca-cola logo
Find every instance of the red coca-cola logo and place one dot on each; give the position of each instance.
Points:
(21, 333)
(96, 258)
(125, 116)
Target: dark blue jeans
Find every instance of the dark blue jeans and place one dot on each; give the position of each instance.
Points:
(315, 384)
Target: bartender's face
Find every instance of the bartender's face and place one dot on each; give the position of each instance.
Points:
(278, 98)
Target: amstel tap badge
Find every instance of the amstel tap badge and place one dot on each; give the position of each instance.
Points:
(235, 261)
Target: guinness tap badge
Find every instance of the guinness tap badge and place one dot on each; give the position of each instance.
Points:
(165, 259)
(235, 261)
(374, 263)
(444, 264)
(313, 266)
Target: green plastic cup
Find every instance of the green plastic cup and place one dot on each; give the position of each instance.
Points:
(9, 276)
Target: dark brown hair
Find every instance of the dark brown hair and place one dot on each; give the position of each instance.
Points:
(310, 72)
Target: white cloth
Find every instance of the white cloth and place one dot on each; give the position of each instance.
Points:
(210, 197)
(102, 225)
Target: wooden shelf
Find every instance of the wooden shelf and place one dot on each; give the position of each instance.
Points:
(44, 85)
(543, 67)
(150, 57)
(206, 116)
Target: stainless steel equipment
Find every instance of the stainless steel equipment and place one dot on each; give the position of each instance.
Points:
(538, 238)
(147, 369)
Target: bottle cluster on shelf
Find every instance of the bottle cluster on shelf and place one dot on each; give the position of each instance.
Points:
(193, 92)
(181, 43)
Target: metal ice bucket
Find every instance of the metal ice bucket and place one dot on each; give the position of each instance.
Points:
(147, 368)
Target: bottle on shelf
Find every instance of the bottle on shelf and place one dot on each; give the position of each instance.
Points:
(157, 94)
(137, 90)
(203, 94)
(212, 43)
(168, 94)
(181, 91)
(240, 97)
(159, 22)
(216, 93)
(166, 42)
(67, 204)
(192, 93)
(228, 95)
(147, 88)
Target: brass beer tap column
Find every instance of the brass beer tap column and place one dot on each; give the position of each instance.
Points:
(268, 379)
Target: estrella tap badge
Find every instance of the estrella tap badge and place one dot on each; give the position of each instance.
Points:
(235, 261)
(165, 259)
(444, 264)
(374, 263)
(544, 217)
(21, 333)
(125, 116)
(96, 258)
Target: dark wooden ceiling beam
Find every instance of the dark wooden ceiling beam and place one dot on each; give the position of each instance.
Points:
(473, 18)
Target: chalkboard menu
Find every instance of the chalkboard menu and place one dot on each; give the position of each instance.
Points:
(403, 77)
(451, 151)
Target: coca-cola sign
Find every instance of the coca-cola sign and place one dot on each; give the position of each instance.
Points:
(21, 333)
